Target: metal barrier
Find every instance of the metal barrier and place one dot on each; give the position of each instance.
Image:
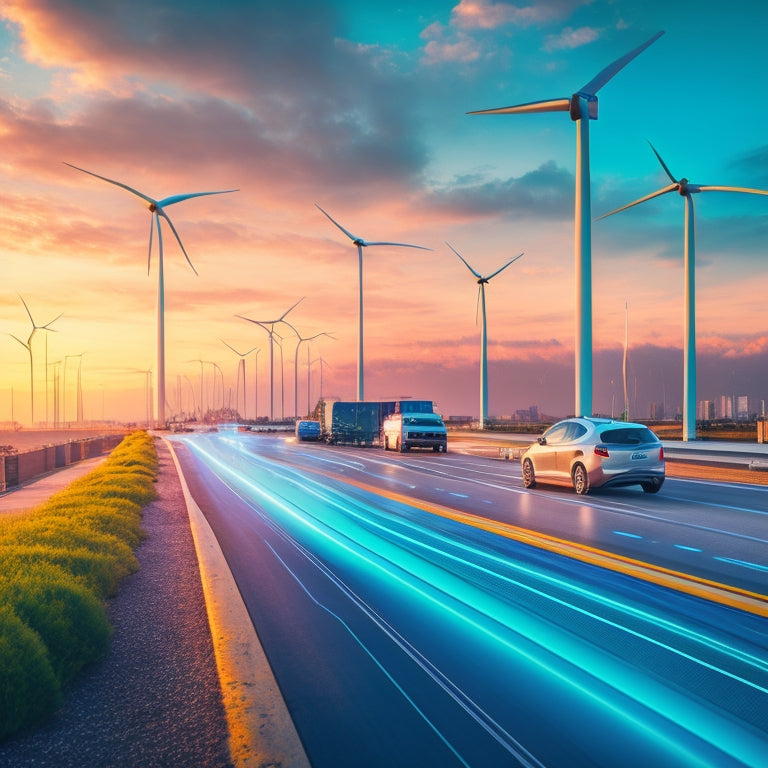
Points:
(19, 468)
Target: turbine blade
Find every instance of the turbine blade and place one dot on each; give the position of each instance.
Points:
(670, 188)
(161, 212)
(46, 326)
(23, 344)
(401, 245)
(345, 231)
(594, 85)
(116, 183)
(28, 312)
(476, 274)
(288, 310)
(663, 164)
(714, 188)
(178, 198)
(229, 345)
(511, 261)
(149, 252)
(549, 105)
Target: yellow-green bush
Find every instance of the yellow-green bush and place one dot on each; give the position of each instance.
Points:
(67, 616)
(29, 690)
(58, 563)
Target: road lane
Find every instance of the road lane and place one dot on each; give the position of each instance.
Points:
(425, 641)
(713, 531)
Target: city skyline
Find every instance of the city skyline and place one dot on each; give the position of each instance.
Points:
(362, 109)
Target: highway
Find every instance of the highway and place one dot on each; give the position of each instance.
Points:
(425, 609)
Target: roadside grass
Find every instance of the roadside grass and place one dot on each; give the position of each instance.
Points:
(58, 564)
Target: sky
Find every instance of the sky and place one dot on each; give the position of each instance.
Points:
(361, 108)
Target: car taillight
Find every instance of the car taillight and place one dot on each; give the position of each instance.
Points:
(661, 453)
(601, 450)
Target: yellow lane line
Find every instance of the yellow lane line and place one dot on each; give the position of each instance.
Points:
(743, 599)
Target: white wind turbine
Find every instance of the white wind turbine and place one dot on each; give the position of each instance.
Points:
(269, 327)
(482, 282)
(685, 189)
(240, 371)
(157, 209)
(582, 107)
(360, 243)
(28, 346)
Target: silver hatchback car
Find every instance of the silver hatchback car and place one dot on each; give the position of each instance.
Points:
(593, 453)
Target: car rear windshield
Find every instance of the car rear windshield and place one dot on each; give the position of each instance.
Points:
(628, 436)
(422, 421)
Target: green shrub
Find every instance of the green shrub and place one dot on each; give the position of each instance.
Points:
(58, 563)
(68, 617)
(29, 690)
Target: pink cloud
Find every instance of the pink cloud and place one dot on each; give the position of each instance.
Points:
(482, 14)
(570, 38)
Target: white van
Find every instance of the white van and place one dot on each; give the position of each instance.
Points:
(403, 431)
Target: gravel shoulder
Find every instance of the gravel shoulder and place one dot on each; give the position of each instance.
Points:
(155, 699)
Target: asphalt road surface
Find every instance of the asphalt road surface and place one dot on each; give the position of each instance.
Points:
(425, 609)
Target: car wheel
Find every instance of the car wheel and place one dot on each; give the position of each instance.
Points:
(580, 480)
(529, 476)
(652, 486)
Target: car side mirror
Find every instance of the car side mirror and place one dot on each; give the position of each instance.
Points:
(541, 440)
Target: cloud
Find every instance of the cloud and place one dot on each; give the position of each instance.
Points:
(546, 193)
(570, 38)
(482, 14)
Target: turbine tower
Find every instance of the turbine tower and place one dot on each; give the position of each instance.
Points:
(685, 189)
(28, 346)
(582, 107)
(240, 371)
(482, 282)
(269, 327)
(301, 340)
(360, 243)
(157, 209)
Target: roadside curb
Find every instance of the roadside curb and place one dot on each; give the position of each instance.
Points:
(261, 731)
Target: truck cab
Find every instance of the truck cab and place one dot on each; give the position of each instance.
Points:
(403, 431)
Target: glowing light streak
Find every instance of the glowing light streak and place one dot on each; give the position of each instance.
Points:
(628, 535)
(744, 563)
(444, 589)
(689, 549)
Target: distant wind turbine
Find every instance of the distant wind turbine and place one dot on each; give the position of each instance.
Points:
(685, 189)
(240, 370)
(582, 107)
(157, 209)
(360, 243)
(269, 327)
(301, 340)
(28, 346)
(482, 282)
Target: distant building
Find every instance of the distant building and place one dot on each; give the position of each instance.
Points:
(705, 410)
(725, 409)
(657, 411)
(742, 408)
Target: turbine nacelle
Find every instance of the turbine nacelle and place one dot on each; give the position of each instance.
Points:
(575, 106)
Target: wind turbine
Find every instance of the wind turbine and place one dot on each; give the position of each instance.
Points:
(582, 107)
(482, 282)
(360, 243)
(301, 339)
(269, 327)
(240, 370)
(685, 189)
(157, 209)
(28, 346)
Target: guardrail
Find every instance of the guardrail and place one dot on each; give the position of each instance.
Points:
(19, 468)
